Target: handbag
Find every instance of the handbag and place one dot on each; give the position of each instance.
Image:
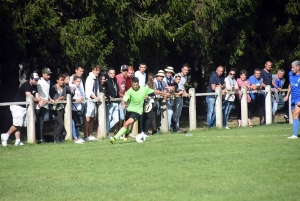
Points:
(77, 116)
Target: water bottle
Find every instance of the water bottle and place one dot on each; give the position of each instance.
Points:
(188, 135)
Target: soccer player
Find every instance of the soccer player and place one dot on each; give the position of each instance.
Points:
(135, 96)
(295, 97)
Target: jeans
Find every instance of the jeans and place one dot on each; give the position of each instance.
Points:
(226, 107)
(170, 112)
(40, 113)
(274, 107)
(75, 131)
(112, 115)
(177, 108)
(211, 111)
(122, 112)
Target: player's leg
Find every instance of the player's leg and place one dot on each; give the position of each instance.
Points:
(295, 114)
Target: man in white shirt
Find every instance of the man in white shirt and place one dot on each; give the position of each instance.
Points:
(141, 74)
(92, 91)
(79, 70)
(43, 87)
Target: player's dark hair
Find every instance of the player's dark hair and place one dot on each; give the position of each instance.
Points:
(256, 69)
(135, 80)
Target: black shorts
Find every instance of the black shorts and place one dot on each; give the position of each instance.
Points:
(132, 115)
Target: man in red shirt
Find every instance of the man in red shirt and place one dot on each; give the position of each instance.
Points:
(129, 78)
(121, 82)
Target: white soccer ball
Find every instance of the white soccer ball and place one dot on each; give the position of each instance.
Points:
(140, 138)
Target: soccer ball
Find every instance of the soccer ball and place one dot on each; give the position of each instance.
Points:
(140, 138)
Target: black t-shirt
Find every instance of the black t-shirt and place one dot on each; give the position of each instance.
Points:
(25, 87)
(267, 77)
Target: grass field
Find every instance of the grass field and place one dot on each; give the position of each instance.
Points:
(257, 163)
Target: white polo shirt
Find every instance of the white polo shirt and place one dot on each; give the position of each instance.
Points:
(142, 78)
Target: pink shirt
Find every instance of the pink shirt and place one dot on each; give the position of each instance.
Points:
(121, 81)
(241, 83)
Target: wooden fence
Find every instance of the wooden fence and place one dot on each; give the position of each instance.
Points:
(164, 112)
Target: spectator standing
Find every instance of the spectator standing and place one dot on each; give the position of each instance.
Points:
(181, 86)
(121, 82)
(278, 81)
(112, 107)
(169, 72)
(215, 80)
(159, 84)
(141, 74)
(92, 91)
(230, 86)
(77, 119)
(256, 84)
(266, 76)
(177, 95)
(243, 81)
(129, 78)
(149, 107)
(43, 89)
(102, 80)
(19, 111)
(295, 97)
(58, 92)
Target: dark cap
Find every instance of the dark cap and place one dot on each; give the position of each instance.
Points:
(34, 76)
(124, 67)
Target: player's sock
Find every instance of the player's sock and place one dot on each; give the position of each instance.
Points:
(120, 132)
(295, 127)
(127, 132)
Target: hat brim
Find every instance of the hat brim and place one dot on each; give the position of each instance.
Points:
(170, 71)
(160, 74)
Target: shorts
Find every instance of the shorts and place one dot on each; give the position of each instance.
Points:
(132, 115)
(294, 103)
(19, 115)
(91, 109)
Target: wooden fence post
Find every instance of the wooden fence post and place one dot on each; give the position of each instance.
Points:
(102, 116)
(219, 111)
(135, 128)
(68, 118)
(268, 104)
(192, 110)
(164, 116)
(244, 106)
(30, 120)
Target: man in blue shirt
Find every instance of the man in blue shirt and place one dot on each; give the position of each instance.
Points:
(256, 83)
(215, 80)
(278, 82)
(295, 97)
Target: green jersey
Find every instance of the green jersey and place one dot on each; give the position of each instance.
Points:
(137, 98)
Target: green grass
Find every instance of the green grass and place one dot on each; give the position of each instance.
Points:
(257, 163)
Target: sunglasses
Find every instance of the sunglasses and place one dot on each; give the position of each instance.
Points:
(231, 73)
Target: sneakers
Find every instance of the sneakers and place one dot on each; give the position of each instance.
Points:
(227, 127)
(112, 140)
(179, 130)
(293, 137)
(90, 138)
(19, 143)
(4, 139)
(125, 139)
(78, 141)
